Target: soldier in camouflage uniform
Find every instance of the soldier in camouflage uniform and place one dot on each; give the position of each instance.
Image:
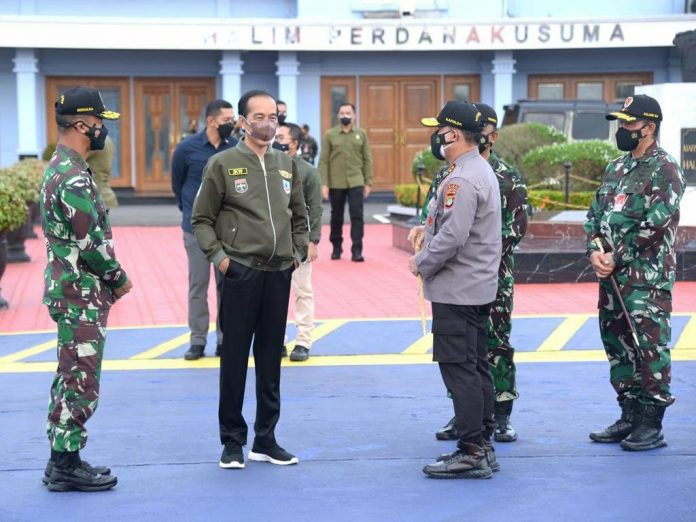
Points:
(514, 206)
(635, 215)
(82, 280)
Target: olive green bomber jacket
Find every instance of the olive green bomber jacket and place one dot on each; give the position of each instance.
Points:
(251, 212)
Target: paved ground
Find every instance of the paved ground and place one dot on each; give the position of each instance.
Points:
(360, 414)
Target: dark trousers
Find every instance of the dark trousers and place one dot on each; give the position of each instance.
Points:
(254, 306)
(460, 346)
(337, 198)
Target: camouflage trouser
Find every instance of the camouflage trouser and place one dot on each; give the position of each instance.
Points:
(75, 389)
(643, 373)
(500, 351)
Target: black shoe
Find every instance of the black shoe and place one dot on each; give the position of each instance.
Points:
(357, 258)
(504, 432)
(469, 461)
(232, 456)
(648, 434)
(336, 254)
(275, 455)
(623, 427)
(95, 470)
(448, 431)
(68, 474)
(299, 353)
(284, 352)
(218, 350)
(195, 352)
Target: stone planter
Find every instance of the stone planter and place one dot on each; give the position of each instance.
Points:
(16, 252)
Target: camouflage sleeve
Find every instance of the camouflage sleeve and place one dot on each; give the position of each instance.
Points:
(92, 233)
(514, 217)
(662, 216)
(592, 223)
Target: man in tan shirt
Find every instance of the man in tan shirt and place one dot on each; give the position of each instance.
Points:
(345, 167)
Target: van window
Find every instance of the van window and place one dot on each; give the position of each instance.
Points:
(555, 119)
(590, 126)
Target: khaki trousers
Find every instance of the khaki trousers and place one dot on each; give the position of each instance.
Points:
(304, 304)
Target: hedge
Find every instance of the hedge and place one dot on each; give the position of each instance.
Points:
(514, 141)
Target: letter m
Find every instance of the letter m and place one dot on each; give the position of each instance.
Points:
(590, 33)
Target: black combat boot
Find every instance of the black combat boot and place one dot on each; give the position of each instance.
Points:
(622, 427)
(504, 432)
(95, 470)
(69, 475)
(647, 434)
(448, 431)
(469, 461)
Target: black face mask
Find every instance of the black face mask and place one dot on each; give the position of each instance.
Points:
(284, 147)
(437, 143)
(345, 120)
(628, 140)
(484, 142)
(282, 117)
(97, 142)
(225, 130)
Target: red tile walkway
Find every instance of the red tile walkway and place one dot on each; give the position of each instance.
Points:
(381, 287)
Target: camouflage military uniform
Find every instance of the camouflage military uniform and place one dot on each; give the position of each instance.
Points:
(79, 278)
(636, 213)
(514, 205)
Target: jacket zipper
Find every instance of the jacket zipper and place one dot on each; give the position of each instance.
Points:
(270, 212)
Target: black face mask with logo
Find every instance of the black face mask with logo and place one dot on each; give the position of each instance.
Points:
(284, 147)
(484, 142)
(225, 130)
(97, 142)
(628, 140)
(437, 144)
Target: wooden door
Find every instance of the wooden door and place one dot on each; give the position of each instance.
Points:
(335, 90)
(116, 95)
(463, 88)
(165, 109)
(390, 112)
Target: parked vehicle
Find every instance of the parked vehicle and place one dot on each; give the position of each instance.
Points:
(577, 119)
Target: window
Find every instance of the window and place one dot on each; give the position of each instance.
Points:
(554, 119)
(590, 126)
(607, 87)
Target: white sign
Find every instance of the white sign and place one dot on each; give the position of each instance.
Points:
(359, 35)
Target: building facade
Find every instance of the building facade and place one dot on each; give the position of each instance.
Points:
(159, 62)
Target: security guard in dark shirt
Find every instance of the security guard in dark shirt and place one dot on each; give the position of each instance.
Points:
(250, 220)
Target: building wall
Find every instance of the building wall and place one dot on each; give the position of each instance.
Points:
(8, 110)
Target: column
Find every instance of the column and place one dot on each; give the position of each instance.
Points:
(231, 71)
(503, 72)
(288, 71)
(27, 117)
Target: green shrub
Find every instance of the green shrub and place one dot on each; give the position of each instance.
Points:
(27, 174)
(13, 204)
(406, 195)
(430, 162)
(588, 161)
(555, 200)
(514, 141)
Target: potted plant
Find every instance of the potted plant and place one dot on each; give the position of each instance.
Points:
(26, 177)
(13, 212)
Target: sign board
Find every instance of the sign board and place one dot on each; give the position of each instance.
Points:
(688, 155)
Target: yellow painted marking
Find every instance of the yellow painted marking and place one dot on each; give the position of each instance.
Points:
(22, 354)
(328, 360)
(687, 339)
(162, 348)
(562, 334)
(324, 329)
(422, 345)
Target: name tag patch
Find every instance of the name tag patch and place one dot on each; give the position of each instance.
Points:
(285, 174)
(450, 194)
(619, 202)
(286, 186)
(237, 172)
(241, 185)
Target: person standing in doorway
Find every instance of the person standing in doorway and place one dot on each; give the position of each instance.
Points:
(345, 167)
(190, 157)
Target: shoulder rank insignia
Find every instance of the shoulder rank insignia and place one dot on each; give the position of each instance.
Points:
(285, 174)
(450, 194)
(237, 172)
(451, 168)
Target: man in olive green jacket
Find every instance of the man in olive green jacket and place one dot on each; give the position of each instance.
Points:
(250, 220)
(100, 163)
(345, 166)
